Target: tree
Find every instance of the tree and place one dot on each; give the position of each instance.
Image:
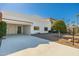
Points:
(60, 26)
(2, 29)
(52, 21)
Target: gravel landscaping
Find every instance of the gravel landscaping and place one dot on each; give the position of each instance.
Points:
(68, 40)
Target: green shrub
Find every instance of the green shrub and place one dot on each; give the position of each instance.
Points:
(3, 27)
(59, 25)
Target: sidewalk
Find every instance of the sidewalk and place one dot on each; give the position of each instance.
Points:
(51, 49)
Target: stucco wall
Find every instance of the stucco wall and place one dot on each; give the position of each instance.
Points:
(41, 23)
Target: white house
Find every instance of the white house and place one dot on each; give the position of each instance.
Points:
(25, 24)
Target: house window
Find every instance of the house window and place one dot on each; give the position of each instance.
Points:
(45, 28)
(36, 27)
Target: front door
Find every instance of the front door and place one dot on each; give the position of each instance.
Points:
(19, 30)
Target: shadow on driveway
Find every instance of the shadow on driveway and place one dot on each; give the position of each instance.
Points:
(48, 36)
(16, 43)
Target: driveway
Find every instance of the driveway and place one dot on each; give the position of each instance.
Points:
(48, 36)
(51, 49)
(16, 43)
(23, 45)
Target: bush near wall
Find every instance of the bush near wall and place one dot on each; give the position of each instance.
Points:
(3, 27)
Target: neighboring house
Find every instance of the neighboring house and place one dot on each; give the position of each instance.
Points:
(25, 24)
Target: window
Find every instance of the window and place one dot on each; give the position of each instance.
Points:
(45, 28)
(36, 27)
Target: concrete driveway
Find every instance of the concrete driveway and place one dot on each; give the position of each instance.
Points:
(51, 49)
(48, 36)
(16, 43)
(23, 45)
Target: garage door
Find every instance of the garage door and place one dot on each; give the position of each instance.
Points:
(27, 29)
(11, 29)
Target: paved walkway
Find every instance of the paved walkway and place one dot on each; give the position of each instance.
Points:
(51, 49)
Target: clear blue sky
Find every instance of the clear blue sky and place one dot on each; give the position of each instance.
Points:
(58, 11)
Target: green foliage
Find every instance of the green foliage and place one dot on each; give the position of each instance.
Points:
(3, 27)
(59, 25)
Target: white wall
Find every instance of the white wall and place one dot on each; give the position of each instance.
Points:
(45, 23)
(41, 23)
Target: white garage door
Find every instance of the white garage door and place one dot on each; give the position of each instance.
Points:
(27, 29)
(11, 29)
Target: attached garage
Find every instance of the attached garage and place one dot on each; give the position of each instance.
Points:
(18, 29)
